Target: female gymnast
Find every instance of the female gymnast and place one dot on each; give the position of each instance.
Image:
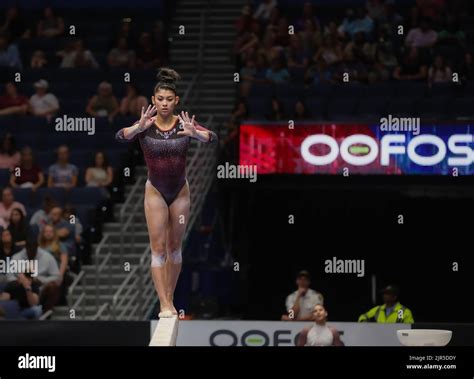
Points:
(320, 334)
(164, 139)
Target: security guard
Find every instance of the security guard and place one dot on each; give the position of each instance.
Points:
(391, 311)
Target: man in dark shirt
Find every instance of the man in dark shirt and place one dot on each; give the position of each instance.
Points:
(25, 290)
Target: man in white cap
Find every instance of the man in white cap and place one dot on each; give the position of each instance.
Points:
(42, 103)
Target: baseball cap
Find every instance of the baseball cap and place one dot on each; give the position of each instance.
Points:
(41, 84)
(391, 289)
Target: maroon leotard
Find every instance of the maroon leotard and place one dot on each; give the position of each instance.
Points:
(165, 156)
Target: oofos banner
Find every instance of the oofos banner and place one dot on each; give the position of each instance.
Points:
(357, 149)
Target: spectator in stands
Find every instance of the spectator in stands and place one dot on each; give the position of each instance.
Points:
(431, 9)
(391, 311)
(125, 30)
(133, 102)
(308, 15)
(358, 21)
(282, 35)
(38, 59)
(319, 72)
(230, 142)
(439, 72)
(247, 76)
(18, 227)
(51, 25)
(25, 290)
(467, 67)
(319, 334)
(7, 250)
(422, 36)
(311, 37)
(7, 246)
(451, 34)
(411, 67)
(264, 10)
(100, 174)
(353, 66)
(300, 111)
(9, 155)
(121, 56)
(148, 56)
(43, 103)
(8, 204)
(376, 9)
(330, 52)
(48, 240)
(277, 73)
(300, 304)
(28, 174)
(278, 112)
(47, 275)
(74, 55)
(64, 229)
(12, 102)
(385, 58)
(14, 25)
(62, 173)
(69, 211)
(245, 44)
(9, 54)
(104, 104)
(40, 217)
(246, 22)
(296, 55)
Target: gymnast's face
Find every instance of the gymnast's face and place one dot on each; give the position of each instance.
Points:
(165, 101)
(319, 313)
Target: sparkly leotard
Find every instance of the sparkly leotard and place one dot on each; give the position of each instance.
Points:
(165, 156)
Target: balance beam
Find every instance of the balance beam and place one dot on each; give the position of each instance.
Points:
(166, 332)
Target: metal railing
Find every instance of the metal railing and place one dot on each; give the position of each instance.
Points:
(98, 315)
(72, 287)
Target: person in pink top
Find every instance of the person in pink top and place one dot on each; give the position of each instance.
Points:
(421, 37)
(7, 204)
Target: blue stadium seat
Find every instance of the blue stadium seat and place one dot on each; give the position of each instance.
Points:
(259, 107)
(316, 107)
(462, 108)
(8, 124)
(341, 109)
(4, 176)
(59, 194)
(86, 196)
(23, 196)
(402, 107)
(323, 89)
(349, 90)
(406, 89)
(262, 90)
(289, 90)
(297, 74)
(433, 108)
(371, 108)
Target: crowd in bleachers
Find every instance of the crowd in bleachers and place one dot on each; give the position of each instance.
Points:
(326, 61)
(385, 48)
(58, 187)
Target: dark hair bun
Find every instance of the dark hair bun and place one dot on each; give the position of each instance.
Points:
(167, 75)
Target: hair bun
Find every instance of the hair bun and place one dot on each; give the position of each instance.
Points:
(167, 75)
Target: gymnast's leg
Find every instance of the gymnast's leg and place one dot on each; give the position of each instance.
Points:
(178, 219)
(156, 213)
